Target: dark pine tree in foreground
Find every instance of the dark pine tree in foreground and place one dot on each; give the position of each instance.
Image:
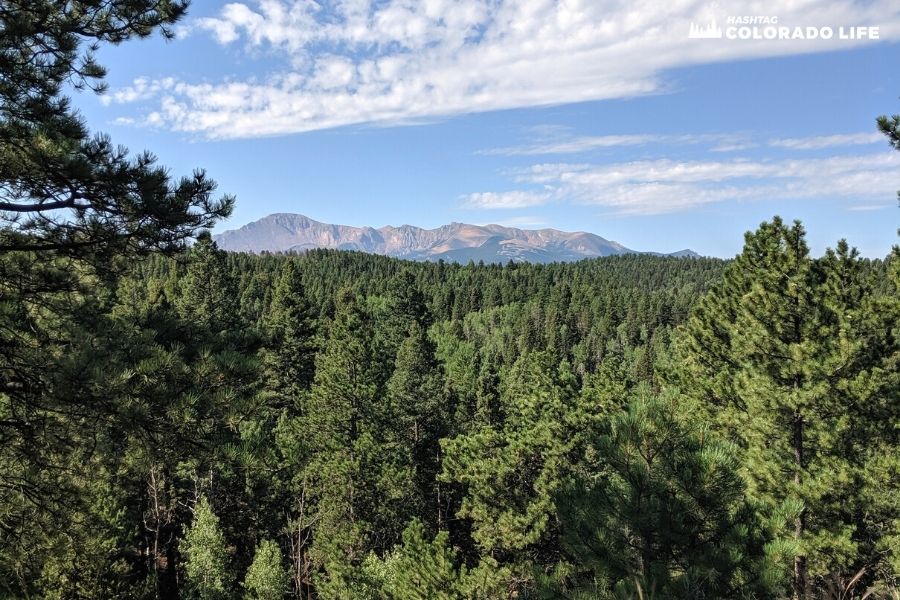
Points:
(80, 385)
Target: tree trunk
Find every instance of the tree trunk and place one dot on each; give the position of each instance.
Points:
(800, 583)
(301, 562)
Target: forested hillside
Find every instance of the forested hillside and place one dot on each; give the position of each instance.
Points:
(343, 425)
(181, 422)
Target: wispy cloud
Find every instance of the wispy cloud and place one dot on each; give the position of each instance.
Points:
(572, 145)
(868, 207)
(730, 144)
(564, 143)
(827, 141)
(513, 199)
(368, 61)
(520, 221)
(141, 89)
(665, 185)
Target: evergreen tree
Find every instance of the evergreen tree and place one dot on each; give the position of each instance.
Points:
(62, 190)
(407, 302)
(511, 471)
(422, 419)
(779, 353)
(209, 298)
(665, 510)
(207, 572)
(290, 325)
(359, 476)
(423, 569)
(890, 127)
(267, 578)
(75, 212)
(118, 405)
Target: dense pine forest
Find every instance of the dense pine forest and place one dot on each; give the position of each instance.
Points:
(342, 425)
(181, 422)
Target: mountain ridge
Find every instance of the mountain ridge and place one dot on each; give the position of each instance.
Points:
(453, 242)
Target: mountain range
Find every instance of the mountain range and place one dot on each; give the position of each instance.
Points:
(456, 242)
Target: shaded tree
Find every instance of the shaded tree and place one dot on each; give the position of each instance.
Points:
(666, 511)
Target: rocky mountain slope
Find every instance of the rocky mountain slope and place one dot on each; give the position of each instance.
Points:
(458, 242)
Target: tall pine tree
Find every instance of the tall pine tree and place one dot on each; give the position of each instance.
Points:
(359, 475)
(786, 354)
(664, 512)
(422, 418)
(290, 326)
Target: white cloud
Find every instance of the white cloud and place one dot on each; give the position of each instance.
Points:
(530, 221)
(560, 142)
(362, 61)
(513, 199)
(665, 186)
(868, 207)
(827, 141)
(141, 89)
(333, 73)
(729, 144)
(574, 145)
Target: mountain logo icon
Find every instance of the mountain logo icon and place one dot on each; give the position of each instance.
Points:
(712, 31)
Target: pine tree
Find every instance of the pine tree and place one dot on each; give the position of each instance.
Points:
(64, 191)
(890, 127)
(779, 352)
(407, 302)
(267, 578)
(207, 572)
(665, 509)
(209, 298)
(422, 419)
(290, 324)
(860, 365)
(76, 211)
(358, 477)
(511, 470)
(423, 569)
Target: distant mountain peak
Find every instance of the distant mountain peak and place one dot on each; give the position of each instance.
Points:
(454, 242)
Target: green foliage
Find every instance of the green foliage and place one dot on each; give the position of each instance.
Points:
(208, 296)
(81, 379)
(267, 579)
(291, 327)
(421, 417)
(67, 192)
(206, 564)
(325, 402)
(359, 473)
(795, 360)
(511, 470)
(423, 569)
(890, 127)
(666, 510)
(531, 426)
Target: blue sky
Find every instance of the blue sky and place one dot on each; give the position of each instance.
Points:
(595, 116)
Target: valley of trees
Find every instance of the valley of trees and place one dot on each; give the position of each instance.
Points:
(181, 422)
